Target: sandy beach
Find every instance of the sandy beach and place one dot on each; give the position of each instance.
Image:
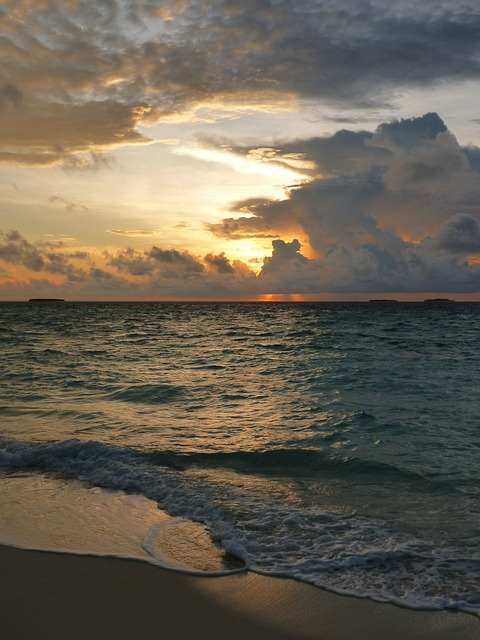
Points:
(55, 596)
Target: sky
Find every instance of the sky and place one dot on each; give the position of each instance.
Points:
(239, 149)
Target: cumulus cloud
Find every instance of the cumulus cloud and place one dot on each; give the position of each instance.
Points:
(380, 211)
(80, 77)
(386, 263)
(170, 261)
(362, 180)
(219, 263)
(15, 249)
(154, 272)
(395, 210)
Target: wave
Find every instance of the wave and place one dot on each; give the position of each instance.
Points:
(291, 462)
(300, 462)
(345, 553)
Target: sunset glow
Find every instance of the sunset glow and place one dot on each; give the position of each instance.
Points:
(239, 319)
(144, 157)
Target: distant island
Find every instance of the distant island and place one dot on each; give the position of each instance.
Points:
(46, 300)
(439, 300)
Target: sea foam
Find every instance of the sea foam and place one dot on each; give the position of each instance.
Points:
(347, 554)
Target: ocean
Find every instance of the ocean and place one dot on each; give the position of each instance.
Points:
(333, 443)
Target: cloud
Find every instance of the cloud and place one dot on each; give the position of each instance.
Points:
(90, 161)
(219, 263)
(380, 212)
(131, 262)
(460, 234)
(369, 268)
(50, 133)
(170, 263)
(80, 77)
(152, 273)
(69, 205)
(132, 233)
(248, 165)
(391, 210)
(10, 95)
(406, 176)
(342, 52)
(386, 263)
(15, 249)
(172, 259)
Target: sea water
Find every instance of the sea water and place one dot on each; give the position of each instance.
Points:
(334, 443)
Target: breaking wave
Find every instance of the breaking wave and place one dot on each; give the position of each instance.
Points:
(342, 552)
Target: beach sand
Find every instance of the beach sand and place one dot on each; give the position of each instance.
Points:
(53, 596)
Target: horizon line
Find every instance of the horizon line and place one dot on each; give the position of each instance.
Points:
(266, 298)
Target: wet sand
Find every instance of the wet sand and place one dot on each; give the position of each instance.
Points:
(54, 596)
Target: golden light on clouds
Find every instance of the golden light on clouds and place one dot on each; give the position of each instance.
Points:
(291, 160)
(250, 251)
(242, 164)
(230, 105)
(179, 143)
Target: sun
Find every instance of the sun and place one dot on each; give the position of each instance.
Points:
(250, 251)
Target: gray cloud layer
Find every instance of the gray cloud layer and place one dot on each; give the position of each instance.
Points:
(81, 76)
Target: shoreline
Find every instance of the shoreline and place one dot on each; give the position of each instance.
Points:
(64, 518)
(76, 596)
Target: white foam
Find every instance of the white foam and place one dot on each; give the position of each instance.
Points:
(163, 560)
(347, 554)
(51, 515)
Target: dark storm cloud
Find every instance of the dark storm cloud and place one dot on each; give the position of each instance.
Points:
(368, 268)
(406, 176)
(344, 51)
(461, 235)
(79, 76)
(473, 156)
(381, 212)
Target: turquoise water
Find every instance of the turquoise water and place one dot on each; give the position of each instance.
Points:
(334, 443)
